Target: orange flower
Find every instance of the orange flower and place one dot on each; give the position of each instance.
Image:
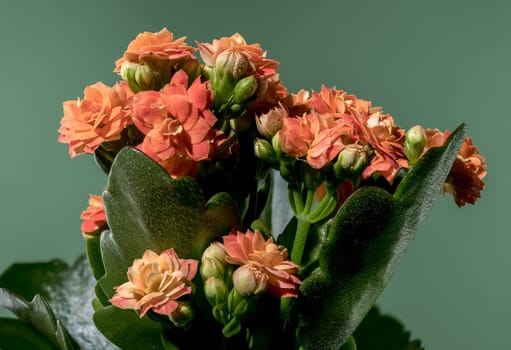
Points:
(177, 123)
(94, 217)
(465, 180)
(319, 137)
(244, 59)
(100, 116)
(156, 282)
(264, 264)
(155, 48)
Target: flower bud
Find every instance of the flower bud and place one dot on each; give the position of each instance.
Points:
(211, 267)
(350, 161)
(414, 143)
(192, 68)
(181, 316)
(215, 291)
(214, 251)
(269, 123)
(139, 76)
(264, 151)
(249, 279)
(244, 89)
(234, 64)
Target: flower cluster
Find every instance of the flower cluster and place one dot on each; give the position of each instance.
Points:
(219, 129)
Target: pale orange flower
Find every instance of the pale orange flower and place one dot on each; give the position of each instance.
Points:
(177, 123)
(265, 264)
(155, 48)
(156, 282)
(100, 116)
(94, 217)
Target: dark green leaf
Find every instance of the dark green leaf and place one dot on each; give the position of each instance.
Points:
(38, 315)
(16, 335)
(366, 240)
(383, 332)
(69, 292)
(29, 279)
(147, 209)
(127, 330)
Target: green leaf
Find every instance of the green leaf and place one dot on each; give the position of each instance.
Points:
(69, 292)
(147, 209)
(365, 242)
(38, 315)
(125, 329)
(383, 332)
(16, 335)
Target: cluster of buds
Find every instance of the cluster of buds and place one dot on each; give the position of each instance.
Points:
(228, 306)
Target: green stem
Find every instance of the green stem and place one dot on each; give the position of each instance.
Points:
(302, 231)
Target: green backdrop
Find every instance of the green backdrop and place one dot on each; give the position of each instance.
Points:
(438, 63)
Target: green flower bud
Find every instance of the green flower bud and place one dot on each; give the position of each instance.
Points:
(214, 251)
(182, 315)
(249, 280)
(234, 63)
(244, 89)
(414, 143)
(215, 291)
(192, 68)
(139, 76)
(350, 162)
(211, 267)
(264, 151)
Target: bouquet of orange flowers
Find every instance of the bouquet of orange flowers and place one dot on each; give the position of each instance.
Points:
(194, 243)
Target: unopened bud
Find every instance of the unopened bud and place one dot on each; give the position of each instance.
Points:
(249, 280)
(181, 316)
(233, 63)
(214, 251)
(215, 291)
(139, 76)
(350, 161)
(264, 151)
(192, 68)
(269, 123)
(414, 143)
(211, 268)
(244, 89)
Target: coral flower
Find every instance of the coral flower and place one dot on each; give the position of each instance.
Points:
(155, 48)
(156, 282)
(465, 180)
(100, 116)
(94, 217)
(246, 59)
(177, 123)
(267, 262)
(318, 137)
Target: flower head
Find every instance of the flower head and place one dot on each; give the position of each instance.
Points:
(100, 116)
(94, 217)
(465, 180)
(156, 48)
(177, 123)
(233, 58)
(156, 282)
(265, 265)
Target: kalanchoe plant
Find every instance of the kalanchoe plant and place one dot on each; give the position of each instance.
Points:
(182, 250)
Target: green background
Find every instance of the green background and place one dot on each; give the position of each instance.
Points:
(435, 63)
